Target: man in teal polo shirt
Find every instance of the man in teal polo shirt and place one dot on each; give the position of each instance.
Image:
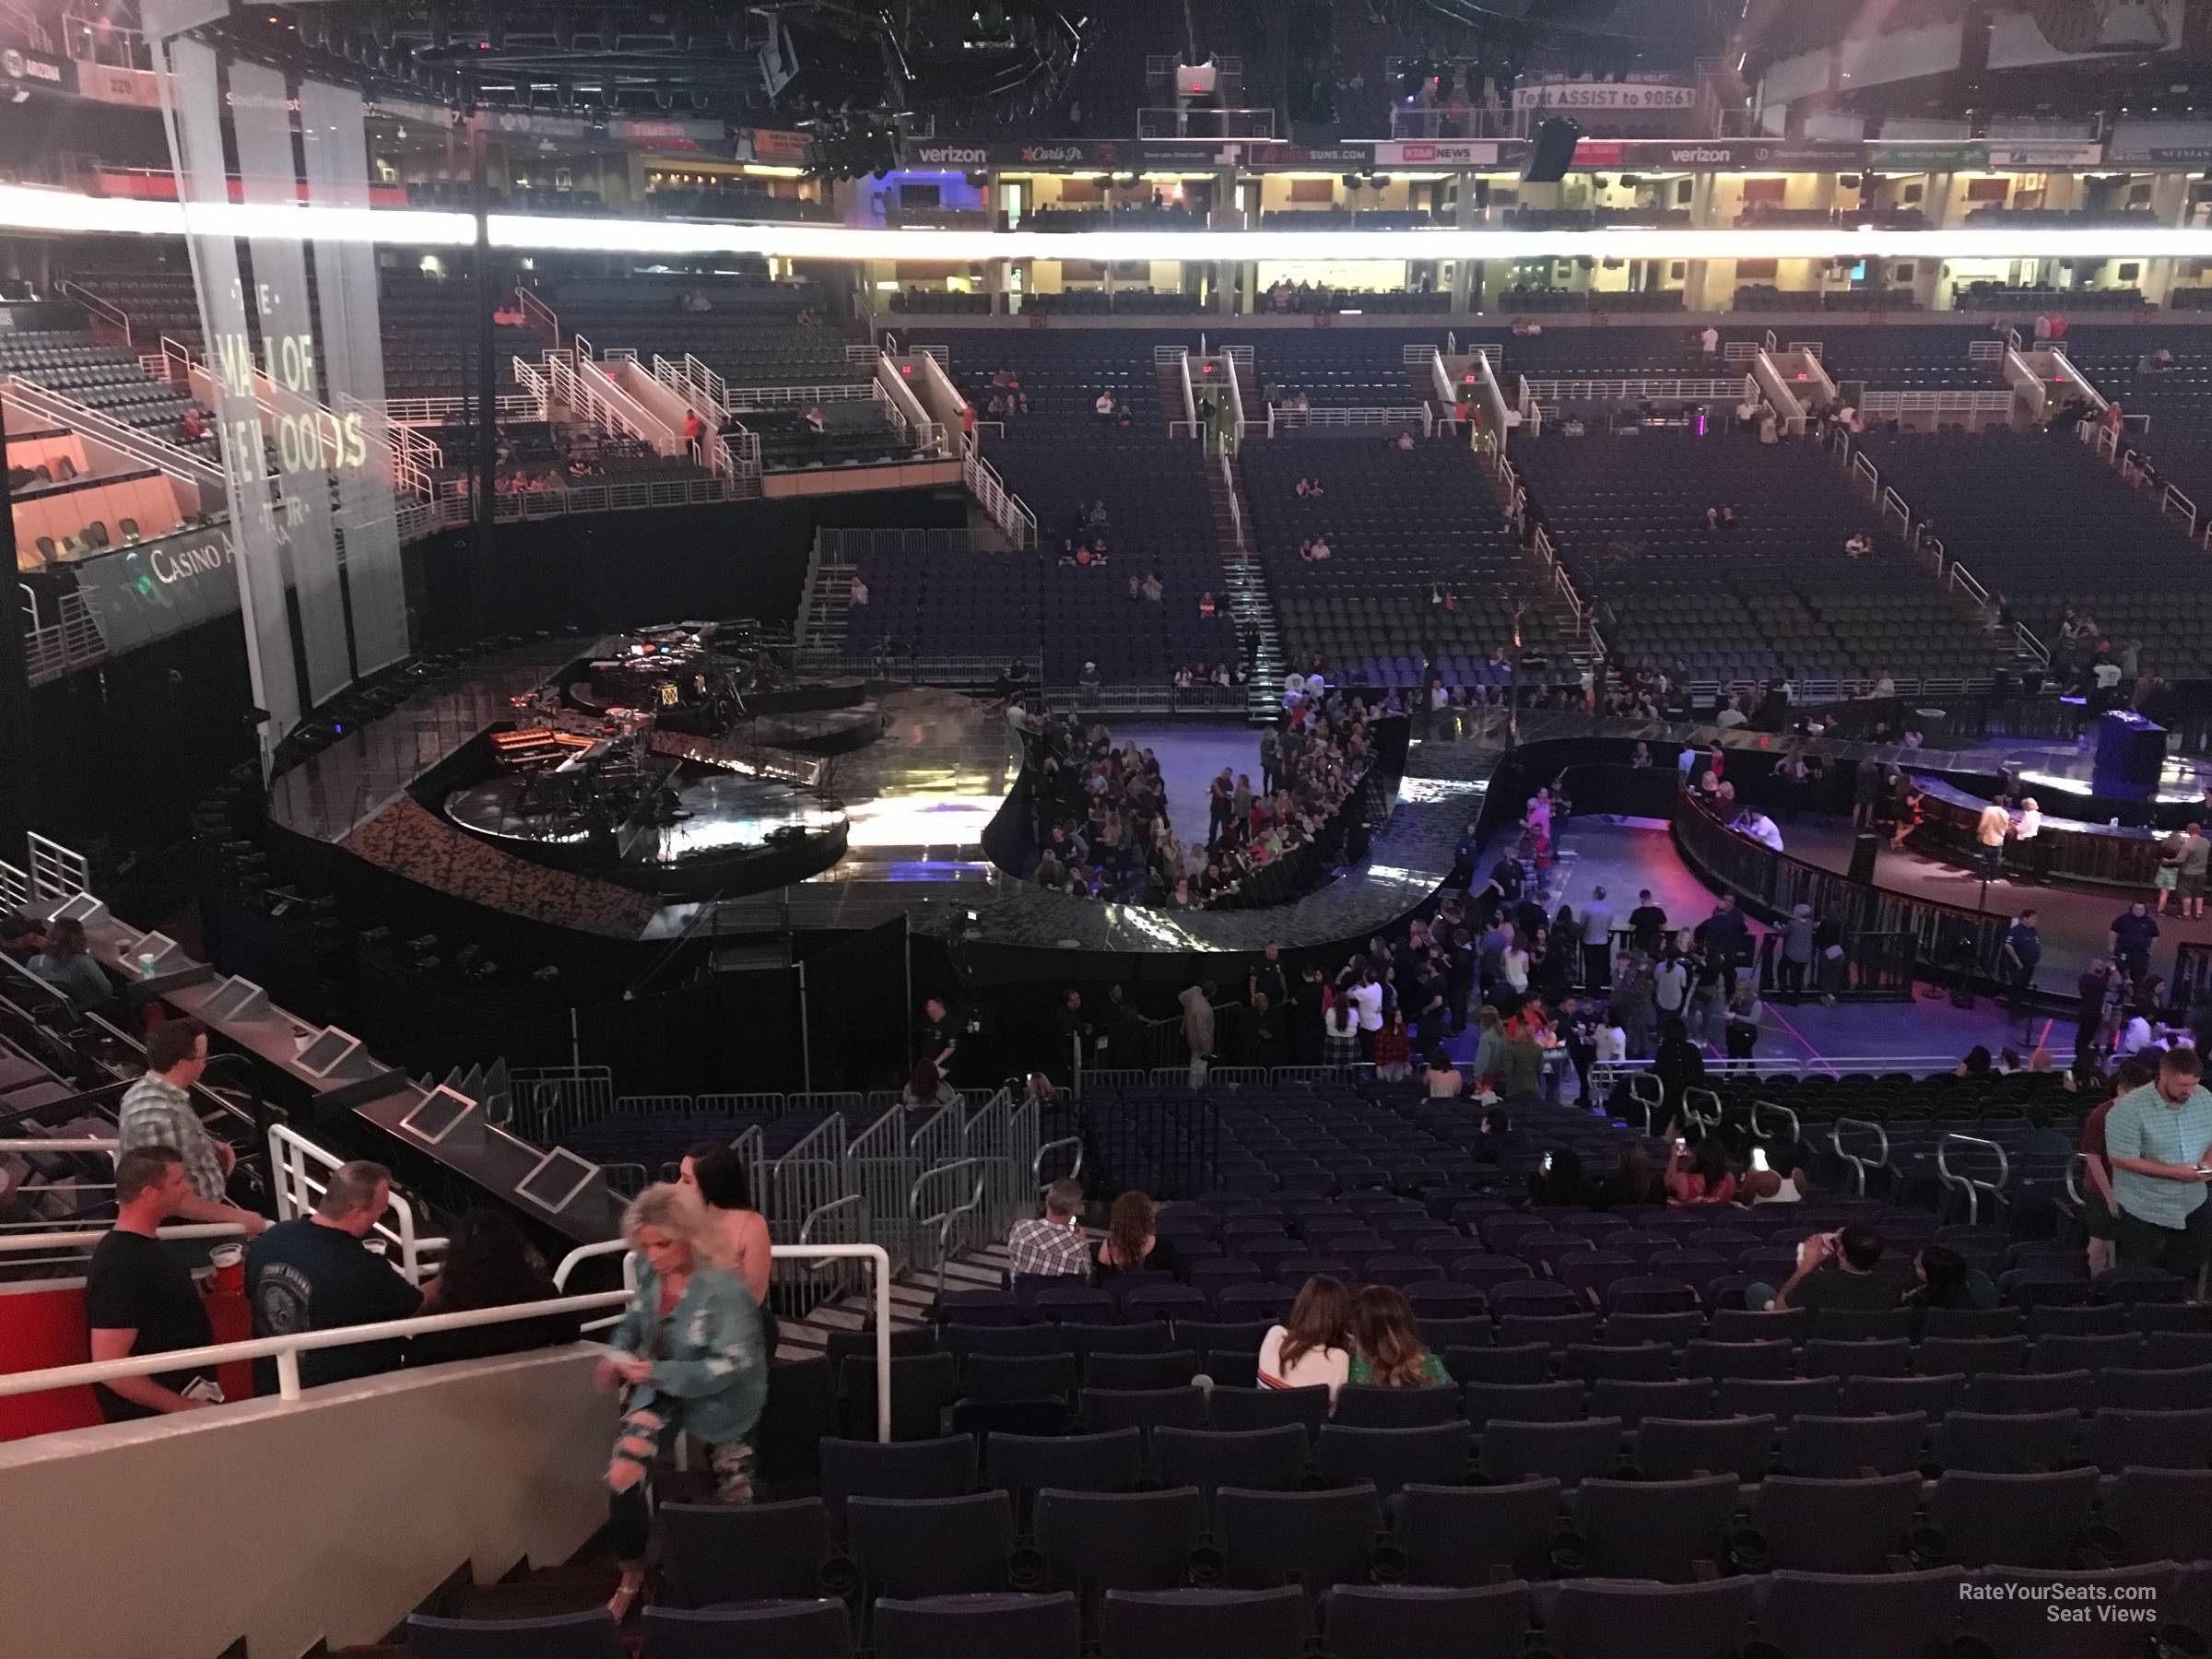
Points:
(2159, 1138)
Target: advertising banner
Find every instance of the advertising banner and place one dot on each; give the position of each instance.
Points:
(307, 449)
(1719, 155)
(1438, 152)
(195, 119)
(1928, 157)
(1616, 95)
(334, 142)
(152, 589)
(2046, 155)
(40, 71)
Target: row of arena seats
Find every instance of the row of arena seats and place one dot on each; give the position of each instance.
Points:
(2018, 510)
(1398, 523)
(104, 378)
(1537, 300)
(1997, 296)
(1627, 516)
(1774, 1615)
(2177, 402)
(1764, 297)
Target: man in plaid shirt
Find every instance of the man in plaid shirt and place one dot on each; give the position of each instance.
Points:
(157, 1111)
(1051, 1244)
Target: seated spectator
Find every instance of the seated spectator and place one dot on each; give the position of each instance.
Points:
(927, 1087)
(138, 1297)
(1051, 1245)
(1844, 1269)
(1946, 1281)
(316, 1273)
(1782, 1181)
(1498, 1139)
(1698, 1176)
(1633, 1180)
(1130, 1244)
(1557, 1180)
(1387, 1351)
(21, 936)
(1313, 1348)
(1102, 406)
(1445, 1079)
(812, 420)
(488, 1263)
(67, 964)
(1319, 549)
(1404, 440)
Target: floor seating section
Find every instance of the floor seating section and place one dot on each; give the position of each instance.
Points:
(1398, 523)
(1626, 516)
(2042, 519)
(750, 335)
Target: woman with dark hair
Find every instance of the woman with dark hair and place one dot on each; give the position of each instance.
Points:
(1559, 1180)
(1387, 1352)
(67, 964)
(1313, 1348)
(1130, 1244)
(927, 1087)
(1946, 1281)
(717, 1174)
(1633, 1180)
(1699, 1175)
(488, 1263)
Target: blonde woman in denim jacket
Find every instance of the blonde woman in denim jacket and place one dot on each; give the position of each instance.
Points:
(690, 1354)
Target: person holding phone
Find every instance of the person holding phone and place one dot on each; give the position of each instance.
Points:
(2158, 1142)
(1845, 1269)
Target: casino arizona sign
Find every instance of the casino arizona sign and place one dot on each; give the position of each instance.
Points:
(182, 564)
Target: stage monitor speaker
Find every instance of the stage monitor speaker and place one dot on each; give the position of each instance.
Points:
(1552, 152)
(1862, 858)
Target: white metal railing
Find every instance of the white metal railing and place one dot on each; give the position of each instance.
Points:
(1190, 392)
(1001, 505)
(536, 312)
(296, 1168)
(1420, 415)
(1989, 351)
(104, 309)
(1949, 401)
(1893, 505)
(775, 397)
(74, 640)
(285, 1351)
(586, 388)
(56, 872)
(1634, 388)
(15, 886)
(436, 411)
(60, 409)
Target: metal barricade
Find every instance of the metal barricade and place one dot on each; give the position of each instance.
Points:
(551, 1101)
(885, 1159)
(945, 1212)
(808, 1176)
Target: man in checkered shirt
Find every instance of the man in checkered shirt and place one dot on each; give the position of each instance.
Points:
(157, 1111)
(1051, 1244)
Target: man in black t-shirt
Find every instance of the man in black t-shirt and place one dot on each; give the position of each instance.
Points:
(139, 1299)
(315, 1273)
(1844, 1269)
(936, 1037)
(1646, 923)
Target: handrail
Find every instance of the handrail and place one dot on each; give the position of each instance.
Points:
(1650, 1106)
(951, 1214)
(1796, 1128)
(1835, 1140)
(1973, 1187)
(285, 1351)
(1037, 1164)
(1707, 1122)
(172, 459)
